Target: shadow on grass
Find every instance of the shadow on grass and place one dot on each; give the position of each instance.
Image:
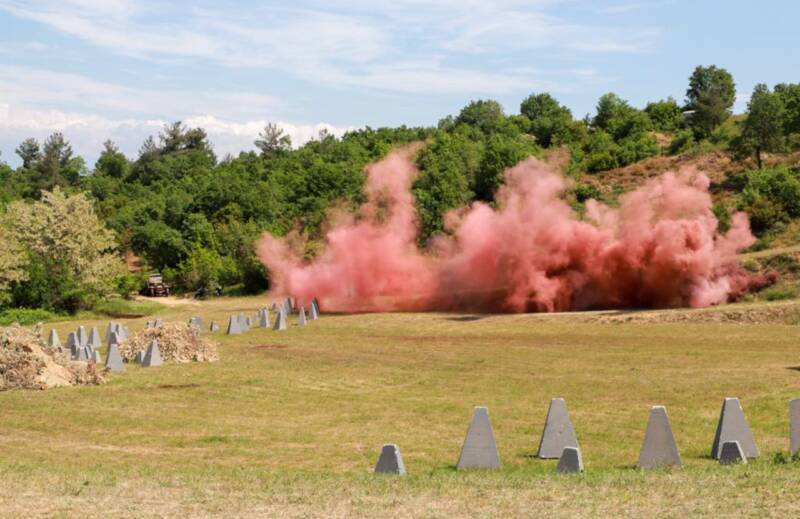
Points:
(466, 318)
(793, 368)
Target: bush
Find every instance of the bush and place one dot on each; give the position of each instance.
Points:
(682, 141)
(25, 316)
(779, 293)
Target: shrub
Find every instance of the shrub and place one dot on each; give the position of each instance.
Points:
(25, 316)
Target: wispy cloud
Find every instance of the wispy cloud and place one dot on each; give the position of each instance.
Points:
(406, 45)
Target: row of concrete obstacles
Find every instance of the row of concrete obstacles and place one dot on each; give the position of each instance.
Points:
(84, 347)
(241, 323)
(733, 441)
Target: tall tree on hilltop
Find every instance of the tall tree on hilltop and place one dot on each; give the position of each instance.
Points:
(763, 129)
(272, 141)
(710, 95)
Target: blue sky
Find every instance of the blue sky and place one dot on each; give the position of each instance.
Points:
(120, 68)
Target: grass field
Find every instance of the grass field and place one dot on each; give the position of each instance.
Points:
(291, 423)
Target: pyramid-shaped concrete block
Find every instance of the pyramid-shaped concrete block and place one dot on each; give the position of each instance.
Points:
(558, 432)
(659, 448)
(301, 319)
(109, 330)
(479, 450)
(214, 326)
(731, 453)
(114, 339)
(121, 331)
(280, 320)
(72, 344)
(158, 324)
(794, 426)
(315, 305)
(570, 461)
(153, 356)
(234, 325)
(196, 322)
(114, 359)
(390, 461)
(289, 306)
(83, 354)
(263, 318)
(94, 338)
(82, 336)
(732, 427)
(139, 358)
(53, 341)
(313, 313)
(96, 358)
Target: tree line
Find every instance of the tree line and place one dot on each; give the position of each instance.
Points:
(194, 217)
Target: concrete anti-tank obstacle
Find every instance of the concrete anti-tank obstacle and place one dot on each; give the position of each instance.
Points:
(315, 305)
(390, 461)
(114, 359)
(731, 453)
(82, 337)
(158, 324)
(83, 354)
(313, 313)
(196, 322)
(301, 319)
(234, 325)
(479, 450)
(558, 432)
(570, 461)
(122, 331)
(659, 448)
(732, 426)
(263, 318)
(94, 338)
(794, 426)
(214, 326)
(153, 356)
(139, 358)
(280, 320)
(109, 330)
(96, 358)
(72, 345)
(53, 341)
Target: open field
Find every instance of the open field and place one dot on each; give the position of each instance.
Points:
(291, 423)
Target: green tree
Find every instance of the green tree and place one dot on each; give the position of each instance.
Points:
(789, 94)
(549, 121)
(486, 115)
(29, 152)
(111, 162)
(272, 141)
(665, 115)
(763, 128)
(71, 256)
(710, 95)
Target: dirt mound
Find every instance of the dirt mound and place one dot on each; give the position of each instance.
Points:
(177, 342)
(27, 362)
(768, 313)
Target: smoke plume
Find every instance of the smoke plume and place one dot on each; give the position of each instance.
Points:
(659, 248)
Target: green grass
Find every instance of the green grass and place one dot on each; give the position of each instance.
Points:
(291, 423)
(124, 308)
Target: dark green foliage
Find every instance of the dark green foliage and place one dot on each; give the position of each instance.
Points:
(710, 95)
(770, 196)
(548, 121)
(682, 141)
(485, 115)
(665, 115)
(763, 129)
(789, 94)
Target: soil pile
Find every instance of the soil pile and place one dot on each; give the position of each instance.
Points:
(27, 362)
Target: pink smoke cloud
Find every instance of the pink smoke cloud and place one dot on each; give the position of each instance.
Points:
(660, 248)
